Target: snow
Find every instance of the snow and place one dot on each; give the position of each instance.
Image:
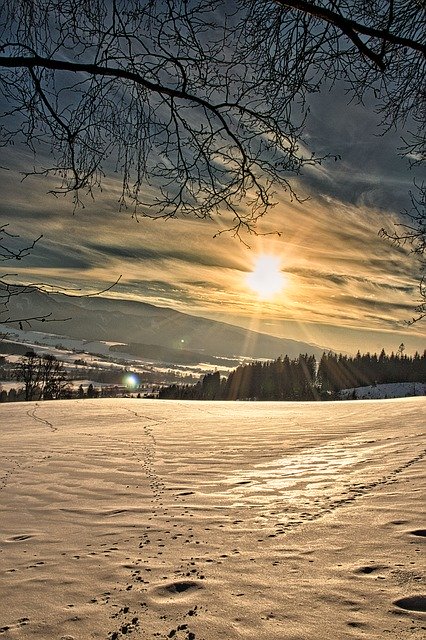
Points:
(7, 386)
(97, 353)
(384, 391)
(211, 520)
(37, 339)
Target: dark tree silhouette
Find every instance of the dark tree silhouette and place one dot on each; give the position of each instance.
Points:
(28, 372)
(204, 102)
(337, 372)
(300, 379)
(53, 377)
(44, 377)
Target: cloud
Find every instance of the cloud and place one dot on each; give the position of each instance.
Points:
(140, 253)
(338, 268)
(371, 171)
(48, 256)
(342, 277)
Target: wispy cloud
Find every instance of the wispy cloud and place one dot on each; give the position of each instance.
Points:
(343, 279)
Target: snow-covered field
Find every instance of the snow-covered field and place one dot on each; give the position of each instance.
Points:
(212, 521)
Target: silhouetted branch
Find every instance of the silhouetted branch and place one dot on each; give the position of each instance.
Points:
(351, 28)
(199, 106)
(7, 249)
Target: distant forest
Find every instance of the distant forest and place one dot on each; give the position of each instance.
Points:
(303, 378)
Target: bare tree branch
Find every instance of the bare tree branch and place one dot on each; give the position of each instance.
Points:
(200, 106)
(351, 28)
(8, 248)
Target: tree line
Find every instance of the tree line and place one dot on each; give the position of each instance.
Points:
(45, 377)
(302, 378)
(342, 372)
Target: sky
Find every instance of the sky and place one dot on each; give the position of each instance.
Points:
(343, 286)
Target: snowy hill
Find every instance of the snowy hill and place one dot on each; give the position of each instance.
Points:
(384, 391)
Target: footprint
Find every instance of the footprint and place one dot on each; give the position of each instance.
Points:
(177, 588)
(412, 603)
(371, 568)
(22, 622)
(356, 625)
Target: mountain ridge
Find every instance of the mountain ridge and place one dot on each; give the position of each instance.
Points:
(113, 319)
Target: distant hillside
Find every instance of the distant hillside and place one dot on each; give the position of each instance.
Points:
(158, 353)
(111, 319)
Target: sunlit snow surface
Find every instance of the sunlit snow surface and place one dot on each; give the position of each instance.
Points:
(208, 521)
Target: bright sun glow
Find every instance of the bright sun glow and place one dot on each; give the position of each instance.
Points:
(266, 279)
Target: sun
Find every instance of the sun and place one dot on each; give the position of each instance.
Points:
(267, 278)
